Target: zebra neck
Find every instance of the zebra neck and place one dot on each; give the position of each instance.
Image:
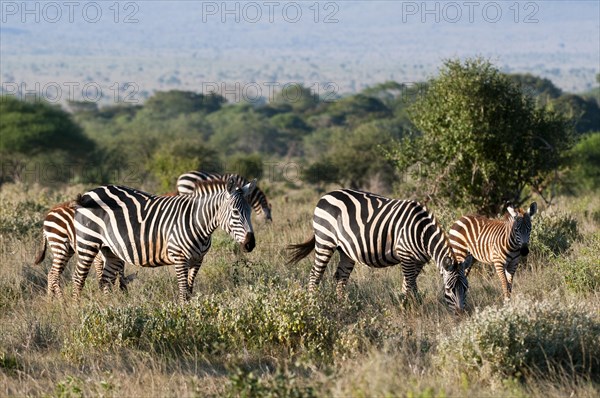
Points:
(510, 239)
(438, 247)
(208, 213)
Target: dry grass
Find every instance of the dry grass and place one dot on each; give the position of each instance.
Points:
(382, 347)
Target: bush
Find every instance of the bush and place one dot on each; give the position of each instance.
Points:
(514, 339)
(553, 234)
(581, 270)
(268, 320)
(21, 219)
(283, 384)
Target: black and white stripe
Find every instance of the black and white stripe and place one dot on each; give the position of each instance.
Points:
(497, 242)
(127, 225)
(59, 234)
(381, 232)
(186, 184)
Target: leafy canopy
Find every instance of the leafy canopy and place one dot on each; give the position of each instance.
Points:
(31, 128)
(481, 141)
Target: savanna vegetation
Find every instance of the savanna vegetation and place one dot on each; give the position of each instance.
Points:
(466, 141)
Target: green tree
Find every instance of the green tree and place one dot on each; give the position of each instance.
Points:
(32, 128)
(482, 141)
(583, 173)
(169, 104)
(40, 141)
(536, 87)
(240, 128)
(358, 162)
(301, 99)
(583, 113)
(176, 158)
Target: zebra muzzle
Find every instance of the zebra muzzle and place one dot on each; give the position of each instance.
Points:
(249, 243)
(524, 250)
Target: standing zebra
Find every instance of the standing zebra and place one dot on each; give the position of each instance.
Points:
(59, 234)
(497, 242)
(380, 232)
(131, 226)
(186, 184)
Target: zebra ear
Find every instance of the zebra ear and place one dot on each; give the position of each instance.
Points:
(512, 211)
(532, 209)
(231, 185)
(249, 188)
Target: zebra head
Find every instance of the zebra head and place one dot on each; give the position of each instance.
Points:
(455, 282)
(521, 227)
(235, 219)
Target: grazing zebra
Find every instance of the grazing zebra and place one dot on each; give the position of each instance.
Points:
(127, 225)
(497, 242)
(380, 232)
(186, 184)
(59, 234)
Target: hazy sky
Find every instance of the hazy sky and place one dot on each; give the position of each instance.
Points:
(163, 44)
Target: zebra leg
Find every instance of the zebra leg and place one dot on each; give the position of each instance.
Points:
(192, 272)
(501, 272)
(99, 266)
(323, 253)
(510, 273)
(342, 273)
(410, 272)
(86, 258)
(112, 267)
(60, 258)
(182, 281)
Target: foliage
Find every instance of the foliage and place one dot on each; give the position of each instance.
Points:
(169, 104)
(340, 161)
(250, 166)
(174, 159)
(272, 320)
(540, 88)
(9, 363)
(239, 128)
(524, 336)
(583, 172)
(301, 99)
(21, 219)
(357, 108)
(244, 384)
(552, 235)
(583, 114)
(482, 140)
(582, 271)
(34, 127)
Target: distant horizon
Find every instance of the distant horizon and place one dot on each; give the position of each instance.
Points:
(340, 47)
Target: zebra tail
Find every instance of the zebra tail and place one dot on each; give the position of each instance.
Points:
(300, 250)
(42, 253)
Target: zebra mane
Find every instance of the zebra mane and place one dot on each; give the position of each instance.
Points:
(78, 201)
(68, 204)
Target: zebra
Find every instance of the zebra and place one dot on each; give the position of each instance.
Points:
(127, 225)
(59, 234)
(186, 184)
(380, 232)
(497, 242)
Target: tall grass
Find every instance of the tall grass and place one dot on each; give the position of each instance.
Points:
(251, 329)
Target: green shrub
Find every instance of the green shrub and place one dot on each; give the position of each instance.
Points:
(21, 219)
(9, 364)
(284, 384)
(581, 270)
(512, 340)
(268, 320)
(553, 234)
